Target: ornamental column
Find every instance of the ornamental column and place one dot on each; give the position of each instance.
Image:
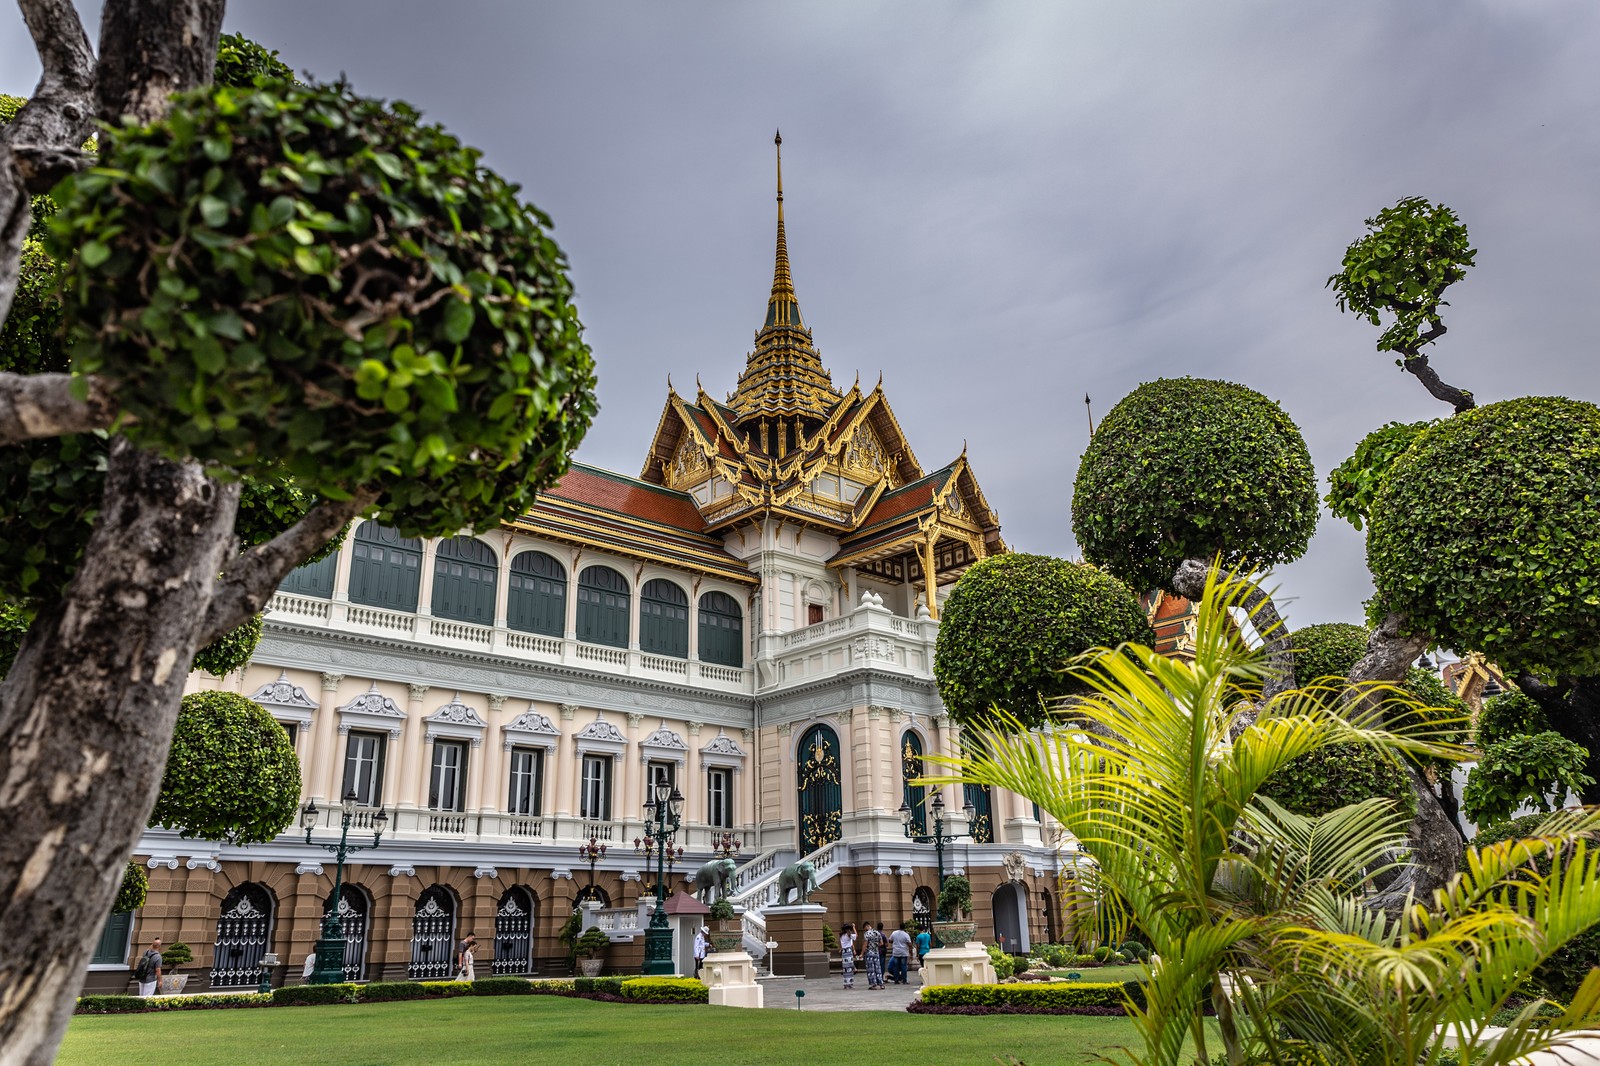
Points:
(317, 782)
(408, 794)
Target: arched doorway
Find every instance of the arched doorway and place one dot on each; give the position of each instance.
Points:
(355, 919)
(922, 906)
(1010, 905)
(915, 797)
(513, 932)
(821, 811)
(244, 930)
(980, 797)
(433, 936)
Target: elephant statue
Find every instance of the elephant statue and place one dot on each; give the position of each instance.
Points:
(801, 879)
(711, 881)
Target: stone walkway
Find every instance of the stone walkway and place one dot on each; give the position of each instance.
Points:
(831, 995)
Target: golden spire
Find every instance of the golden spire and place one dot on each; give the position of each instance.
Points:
(783, 308)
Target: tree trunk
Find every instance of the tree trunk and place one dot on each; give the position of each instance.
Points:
(88, 707)
(1189, 581)
(88, 710)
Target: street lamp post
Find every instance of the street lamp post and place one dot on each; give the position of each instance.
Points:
(330, 949)
(725, 845)
(665, 809)
(591, 853)
(938, 838)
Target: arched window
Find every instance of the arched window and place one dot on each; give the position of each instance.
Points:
(537, 597)
(433, 936)
(313, 579)
(721, 630)
(464, 575)
(915, 796)
(385, 568)
(514, 921)
(664, 619)
(603, 607)
(244, 929)
(355, 921)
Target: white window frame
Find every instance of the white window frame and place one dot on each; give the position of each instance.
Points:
(532, 781)
(439, 771)
(594, 797)
(372, 796)
(719, 780)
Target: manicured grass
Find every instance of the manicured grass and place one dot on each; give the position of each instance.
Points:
(1101, 974)
(538, 1029)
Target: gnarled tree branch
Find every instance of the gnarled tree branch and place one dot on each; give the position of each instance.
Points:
(42, 405)
(1189, 581)
(248, 582)
(1416, 364)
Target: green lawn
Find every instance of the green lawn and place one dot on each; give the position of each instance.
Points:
(1099, 974)
(569, 1032)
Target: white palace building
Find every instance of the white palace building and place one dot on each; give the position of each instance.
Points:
(753, 617)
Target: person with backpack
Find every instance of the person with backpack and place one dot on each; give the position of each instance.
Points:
(148, 971)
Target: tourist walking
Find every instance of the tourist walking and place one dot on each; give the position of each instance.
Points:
(874, 949)
(847, 953)
(464, 970)
(148, 972)
(924, 945)
(899, 956)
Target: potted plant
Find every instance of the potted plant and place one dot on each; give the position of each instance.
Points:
(592, 946)
(955, 907)
(729, 932)
(173, 956)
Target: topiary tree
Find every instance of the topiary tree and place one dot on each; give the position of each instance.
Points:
(1355, 482)
(1183, 472)
(232, 650)
(1526, 770)
(287, 283)
(134, 889)
(1327, 650)
(1014, 621)
(1339, 775)
(1486, 534)
(232, 774)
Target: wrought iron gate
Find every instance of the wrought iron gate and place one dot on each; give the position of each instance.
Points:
(243, 932)
(820, 791)
(513, 933)
(433, 936)
(354, 917)
(922, 909)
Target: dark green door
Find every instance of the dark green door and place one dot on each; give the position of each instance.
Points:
(820, 792)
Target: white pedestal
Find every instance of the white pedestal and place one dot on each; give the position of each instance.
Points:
(730, 979)
(967, 964)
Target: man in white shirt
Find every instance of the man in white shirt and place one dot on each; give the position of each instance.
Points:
(700, 948)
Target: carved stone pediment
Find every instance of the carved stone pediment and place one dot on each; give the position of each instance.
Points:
(456, 720)
(285, 700)
(531, 729)
(600, 736)
(372, 710)
(664, 745)
(723, 751)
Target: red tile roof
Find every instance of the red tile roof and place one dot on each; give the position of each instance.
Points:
(594, 487)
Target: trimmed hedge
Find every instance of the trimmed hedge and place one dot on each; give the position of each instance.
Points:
(140, 1004)
(666, 990)
(308, 995)
(500, 986)
(1055, 998)
(391, 991)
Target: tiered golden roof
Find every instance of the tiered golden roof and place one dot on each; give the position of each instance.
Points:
(788, 445)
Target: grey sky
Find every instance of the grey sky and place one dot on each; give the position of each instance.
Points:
(1004, 206)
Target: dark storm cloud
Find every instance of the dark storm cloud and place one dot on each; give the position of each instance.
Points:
(1003, 206)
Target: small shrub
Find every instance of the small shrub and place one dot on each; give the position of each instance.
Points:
(1003, 963)
(390, 991)
(583, 984)
(1020, 964)
(446, 989)
(665, 990)
(135, 887)
(309, 995)
(501, 986)
(830, 939)
(611, 986)
(1058, 998)
(174, 955)
(955, 898)
(1102, 953)
(593, 943)
(112, 1004)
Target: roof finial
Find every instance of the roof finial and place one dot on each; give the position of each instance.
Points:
(783, 308)
(777, 140)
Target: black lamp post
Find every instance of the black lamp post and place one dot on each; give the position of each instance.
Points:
(938, 838)
(725, 845)
(330, 949)
(665, 809)
(591, 853)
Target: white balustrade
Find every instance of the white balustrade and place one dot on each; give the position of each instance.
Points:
(360, 617)
(679, 667)
(533, 642)
(300, 608)
(464, 632)
(600, 653)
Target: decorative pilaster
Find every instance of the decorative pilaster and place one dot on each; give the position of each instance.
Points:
(319, 783)
(409, 793)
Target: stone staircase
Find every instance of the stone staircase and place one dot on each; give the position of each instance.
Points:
(761, 891)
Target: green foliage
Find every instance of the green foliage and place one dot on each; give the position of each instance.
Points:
(1412, 252)
(1327, 650)
(500, 986)
(240, 61)
(1486, 534)
(14, 623)
(1354, 484)
(1509, 714)
(1054, 995)
(955, 898)
(665, 990)
(141, 1005)
(1012, 624)
(1339, 775)
(174, 955)
(297, 280)
(1004, 965)
(593, 943)
(390, 991)
(1188, 468)
(722, 910)
(1524, 769)
(135, 887)
(446, 989)
(232, 773)
(231, 650)
(311, 995)
(29, 336)
(830, 939)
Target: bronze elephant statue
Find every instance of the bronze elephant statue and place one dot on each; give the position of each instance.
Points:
(712, 880)
(801, 879)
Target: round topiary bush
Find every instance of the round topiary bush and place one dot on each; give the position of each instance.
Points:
(1326, 650)
(299, 279)
(1014, 621)
(1337, 776)
(232, 773)
(1188, 468)
(1486, 534)
(231, 650)
(1510, 714)
(133, 891)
